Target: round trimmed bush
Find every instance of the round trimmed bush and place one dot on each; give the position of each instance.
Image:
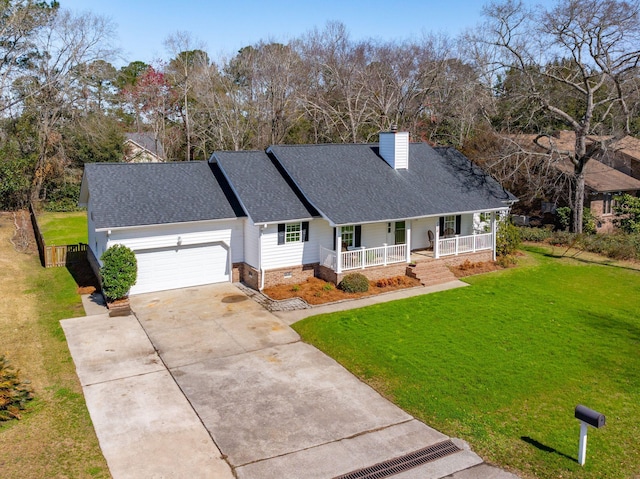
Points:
(354, 283)
(119, 271)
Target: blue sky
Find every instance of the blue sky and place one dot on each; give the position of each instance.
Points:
(226, 26)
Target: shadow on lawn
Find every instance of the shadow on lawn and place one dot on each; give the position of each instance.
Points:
(544, 448)
(84, 276)
(576, 256)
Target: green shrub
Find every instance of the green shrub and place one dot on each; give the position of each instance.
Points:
(354, 283)
(534, 234)
(507, 238)
(119, 271)
(564, 217)
(627, 211)
(14, 393)
(562, 238)
(327, 287)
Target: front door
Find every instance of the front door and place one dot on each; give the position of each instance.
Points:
(400, 236)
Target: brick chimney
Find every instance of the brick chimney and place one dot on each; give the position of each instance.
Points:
(394, 148)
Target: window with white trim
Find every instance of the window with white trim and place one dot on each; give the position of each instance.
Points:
(449, 226)
(348, 236)
(293, 233)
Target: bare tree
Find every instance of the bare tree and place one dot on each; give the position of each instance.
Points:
(586, 50)
(336, 72)
(403, 82)
(188, 60)
(64, 43)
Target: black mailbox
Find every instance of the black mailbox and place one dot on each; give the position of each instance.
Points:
(591, 417)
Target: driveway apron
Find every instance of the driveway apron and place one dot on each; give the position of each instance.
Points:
(275, 406)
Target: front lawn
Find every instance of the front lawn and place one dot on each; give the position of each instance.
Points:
(63, 228)
(503, 363)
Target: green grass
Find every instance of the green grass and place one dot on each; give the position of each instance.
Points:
(503, 363)
(55, 437)
(63, 228)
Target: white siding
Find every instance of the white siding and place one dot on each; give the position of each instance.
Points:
(420, 232)
(251, 243)
(466, 224)
(97, 239)
(292, 254)
(394, 148)
(161, 236)
(375, 234)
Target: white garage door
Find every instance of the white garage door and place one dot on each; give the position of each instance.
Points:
(180, 267)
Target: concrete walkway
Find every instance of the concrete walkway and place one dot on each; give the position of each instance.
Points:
(291, 317)
(203, 382)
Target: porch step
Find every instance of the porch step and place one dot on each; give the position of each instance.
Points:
(431, 273)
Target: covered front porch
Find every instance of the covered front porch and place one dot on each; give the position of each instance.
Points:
(427, 238)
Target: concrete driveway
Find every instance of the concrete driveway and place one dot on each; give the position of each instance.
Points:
(274, 406)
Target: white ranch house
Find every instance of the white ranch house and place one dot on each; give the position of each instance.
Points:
(292, 212)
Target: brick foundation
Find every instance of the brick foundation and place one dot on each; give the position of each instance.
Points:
(299, 274)
(290, 275)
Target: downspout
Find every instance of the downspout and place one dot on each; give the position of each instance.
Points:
(260, 268)
(494, 229)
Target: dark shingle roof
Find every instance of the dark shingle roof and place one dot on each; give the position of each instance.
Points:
(131, 194)
(261, 187)
(351, 183)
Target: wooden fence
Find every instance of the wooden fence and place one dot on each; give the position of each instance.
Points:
(52, 256)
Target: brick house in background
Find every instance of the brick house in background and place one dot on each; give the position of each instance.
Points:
(606, 176)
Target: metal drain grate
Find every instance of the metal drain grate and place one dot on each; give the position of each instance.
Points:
(404, 463)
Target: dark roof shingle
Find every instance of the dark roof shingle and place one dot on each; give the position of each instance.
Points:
(125, 194)
(351, 183)
(264, 192)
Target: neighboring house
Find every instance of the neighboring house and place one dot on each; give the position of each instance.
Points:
(293, 212)
(602, 181)
(602, 185)
(624, 156)
(142, 148)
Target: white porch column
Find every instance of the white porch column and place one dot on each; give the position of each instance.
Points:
(338, 250)
(436, 245)
(407, 240)
(494, 231)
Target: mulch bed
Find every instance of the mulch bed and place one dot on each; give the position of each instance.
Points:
(317, 291)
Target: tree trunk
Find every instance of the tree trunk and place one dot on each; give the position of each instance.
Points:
(578, 201)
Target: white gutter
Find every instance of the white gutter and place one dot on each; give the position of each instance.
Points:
(158, 225)
(260, 268)
(438, 215)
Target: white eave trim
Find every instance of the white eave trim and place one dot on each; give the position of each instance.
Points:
(438, 215)
(157, 225)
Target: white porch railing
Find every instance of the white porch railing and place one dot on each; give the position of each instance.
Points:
(364, 257)
(465, 244)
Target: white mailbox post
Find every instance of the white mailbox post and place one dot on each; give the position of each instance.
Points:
(588, 417)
